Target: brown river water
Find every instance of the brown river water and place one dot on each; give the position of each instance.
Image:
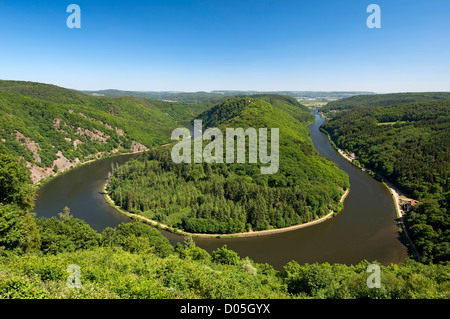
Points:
(364, 229)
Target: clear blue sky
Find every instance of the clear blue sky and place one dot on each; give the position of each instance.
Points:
(228, 44)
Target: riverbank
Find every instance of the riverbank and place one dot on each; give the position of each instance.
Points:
(395, 192)
(74, 165)
(398, 198)
(234, 235)
(396, 195)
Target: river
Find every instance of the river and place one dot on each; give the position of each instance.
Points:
(364, 229)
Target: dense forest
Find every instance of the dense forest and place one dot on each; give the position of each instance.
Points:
(38, 121)
(135, 261)
(383, 100)
(409, 145)
(227, 198)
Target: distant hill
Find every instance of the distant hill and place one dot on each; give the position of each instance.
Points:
(384, 99)
(53, 128)
(222, 112)
(181, 97)
(300, 94)
(42, 91)
(219, 95)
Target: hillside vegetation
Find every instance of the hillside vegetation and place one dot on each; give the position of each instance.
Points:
(53, 127)
(231, 198)
(383, 100)
(190, 272)
(409, 145)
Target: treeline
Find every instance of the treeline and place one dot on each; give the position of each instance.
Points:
(409, 145)
(383, 100)
(134, 261)
(230, 198)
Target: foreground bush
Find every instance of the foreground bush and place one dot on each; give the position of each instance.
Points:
(114, 273)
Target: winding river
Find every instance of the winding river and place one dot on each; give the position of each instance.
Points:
(364, 229)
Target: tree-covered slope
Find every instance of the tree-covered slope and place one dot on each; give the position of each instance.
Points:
(408, 144)
(52, 127)
(383, 100)
(229, 197)
(43, 91)
(230, 108)
(56, 94)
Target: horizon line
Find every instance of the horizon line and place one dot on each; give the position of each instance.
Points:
(234, 90)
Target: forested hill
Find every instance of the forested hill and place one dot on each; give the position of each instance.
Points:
(383, 100)
(232, 198)
(408, 144)
(53, 127)
(228, 109)
(42, 91)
